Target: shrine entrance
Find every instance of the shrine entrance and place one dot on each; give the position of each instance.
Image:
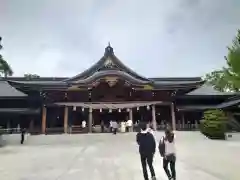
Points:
(107, 115)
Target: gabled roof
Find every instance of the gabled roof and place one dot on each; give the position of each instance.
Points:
(6, 90)
(207, 90)
(38, 79)
(117, 73)
(108, 61)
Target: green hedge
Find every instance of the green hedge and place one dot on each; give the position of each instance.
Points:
(213, 124)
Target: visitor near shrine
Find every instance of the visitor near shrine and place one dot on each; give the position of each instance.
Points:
(23, 131)
(168, 152)
(110, 125)
(84, 123)
(114, 126)
(123, 126)
(129, 125)
(102, 126)
(147, 146)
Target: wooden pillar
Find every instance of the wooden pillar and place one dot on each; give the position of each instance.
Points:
(154, 122)
(130, 114)
(44, 119)
(31, 125)
(65, 125)
(90, 120)
(183, 121)
(196, 124)
(173, 117)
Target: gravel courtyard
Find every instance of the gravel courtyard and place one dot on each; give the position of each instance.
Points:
(108, 157)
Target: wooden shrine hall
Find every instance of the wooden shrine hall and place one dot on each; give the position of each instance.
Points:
(108, 90)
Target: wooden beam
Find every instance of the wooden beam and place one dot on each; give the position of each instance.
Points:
(44, 119)
(65, 119)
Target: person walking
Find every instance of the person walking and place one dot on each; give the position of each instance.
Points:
(23, 131)
(168, 152)
(114, 126)
(102, 126)
(110, 125)
(129, 125)
(147, 146)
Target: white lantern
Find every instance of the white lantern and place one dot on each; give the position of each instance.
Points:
(100, 110)
(74, 108)
(137, 108)
(110, 110)
(148, 107)
(128, 109)
(82, 109)
(119, 110)
(90, 109)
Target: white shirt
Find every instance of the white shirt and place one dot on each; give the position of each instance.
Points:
(129, 123)
(114, 124)
(84, 124)
(110, 123)
(169, 147)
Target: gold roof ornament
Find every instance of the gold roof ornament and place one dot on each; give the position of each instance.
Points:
(74, 88)
(108, 63)
(111, 80)
(147, 87)
(95, 83)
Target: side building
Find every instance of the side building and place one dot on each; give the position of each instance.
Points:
(108, 90)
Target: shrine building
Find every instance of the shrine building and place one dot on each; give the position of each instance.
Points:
(108, 90)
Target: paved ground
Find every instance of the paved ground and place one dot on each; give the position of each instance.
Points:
(105, 157)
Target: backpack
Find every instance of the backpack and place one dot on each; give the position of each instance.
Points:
(161, 146)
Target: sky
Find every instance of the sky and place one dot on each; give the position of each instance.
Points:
(155, 38)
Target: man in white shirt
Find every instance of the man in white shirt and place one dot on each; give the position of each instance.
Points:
(129, 125)
(110, 125)
(84, 124)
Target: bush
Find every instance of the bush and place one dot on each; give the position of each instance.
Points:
(213, 124)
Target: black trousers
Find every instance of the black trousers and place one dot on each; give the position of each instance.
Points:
(22, 138)
(170, 161)
(114, 130)
(147, 160)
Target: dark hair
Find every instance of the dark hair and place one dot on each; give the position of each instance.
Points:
(143, 126)
(169, 135)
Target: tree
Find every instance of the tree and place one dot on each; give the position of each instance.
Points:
(218, 80)
(213, 124)
(31, 76)
(228, 78)
(5, 68)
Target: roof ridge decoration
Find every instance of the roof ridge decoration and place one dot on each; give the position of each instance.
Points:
(108, 62)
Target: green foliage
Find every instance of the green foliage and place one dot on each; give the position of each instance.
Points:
(218, 80)
(5, 68)
(213, 124)
(228, 78)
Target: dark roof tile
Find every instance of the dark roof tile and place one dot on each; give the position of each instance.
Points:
(6, 90)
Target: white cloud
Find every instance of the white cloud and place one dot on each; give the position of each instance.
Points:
(156, 38)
